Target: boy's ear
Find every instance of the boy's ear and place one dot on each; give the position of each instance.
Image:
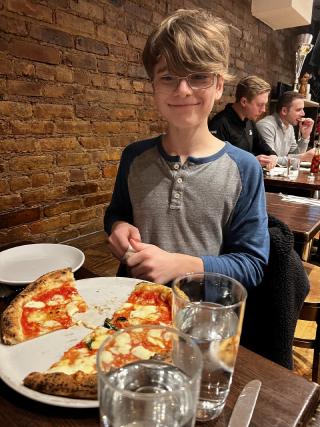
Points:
(219, 87)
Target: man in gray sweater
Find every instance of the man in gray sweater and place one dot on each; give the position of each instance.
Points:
(278, 132)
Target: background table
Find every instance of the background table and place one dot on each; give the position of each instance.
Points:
(302, 219)
(299, 186)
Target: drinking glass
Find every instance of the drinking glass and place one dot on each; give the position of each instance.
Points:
(209, 307)
(293, 166)
(154, 383)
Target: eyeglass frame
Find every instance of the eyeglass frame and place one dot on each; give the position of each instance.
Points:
(186, 78)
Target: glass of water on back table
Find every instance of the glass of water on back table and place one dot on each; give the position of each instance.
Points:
(209, 307)
(148, 376)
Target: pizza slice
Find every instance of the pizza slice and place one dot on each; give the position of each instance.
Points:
(148, 304)
(75, 374)
(46, 305)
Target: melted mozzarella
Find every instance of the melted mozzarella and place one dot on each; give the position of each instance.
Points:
(72, 308)
(51, 324)
(85, 364)
(37, 316)
(145, 312)
(142, 352)
(35, 304)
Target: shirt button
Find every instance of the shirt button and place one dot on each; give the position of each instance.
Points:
(176, 166)
(177, 195)
(179, 180)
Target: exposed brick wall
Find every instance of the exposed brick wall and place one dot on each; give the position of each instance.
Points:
(73, 93)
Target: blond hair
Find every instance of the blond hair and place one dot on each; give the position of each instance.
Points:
(190, 41)
(251, 86)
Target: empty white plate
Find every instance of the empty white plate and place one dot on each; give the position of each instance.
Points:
(24, 264)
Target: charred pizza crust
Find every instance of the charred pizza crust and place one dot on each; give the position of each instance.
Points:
(11, 327)
(77, 385)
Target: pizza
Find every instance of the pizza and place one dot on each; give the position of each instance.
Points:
(75, 374)
(46, 305)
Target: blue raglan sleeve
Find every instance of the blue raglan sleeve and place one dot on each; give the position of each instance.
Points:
(120, 208)
(246, 237)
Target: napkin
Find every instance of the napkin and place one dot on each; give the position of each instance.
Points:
(279, 171)
(128, 253)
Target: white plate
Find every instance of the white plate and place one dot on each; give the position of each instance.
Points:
(24, 264)
(278, 171)
(305, 164)
(103, 295)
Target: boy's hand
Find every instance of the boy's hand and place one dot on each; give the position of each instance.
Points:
(118, 241)
(154, 264)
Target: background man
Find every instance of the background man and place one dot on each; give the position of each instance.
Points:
(235, 123)
(277, 129)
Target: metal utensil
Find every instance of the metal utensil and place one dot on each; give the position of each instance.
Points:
(243, 409)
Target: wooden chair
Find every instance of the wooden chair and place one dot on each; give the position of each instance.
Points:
(311, 312)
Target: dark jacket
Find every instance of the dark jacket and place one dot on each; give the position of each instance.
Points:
(273, 307)
(244, 134)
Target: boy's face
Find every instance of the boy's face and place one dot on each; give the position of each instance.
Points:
(184, 107)
(254, 108)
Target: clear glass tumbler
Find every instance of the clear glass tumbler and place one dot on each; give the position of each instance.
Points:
(148, 376)
(209, 307)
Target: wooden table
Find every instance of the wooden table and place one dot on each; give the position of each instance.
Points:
(302, 219)
(285, 400)
(287, 186)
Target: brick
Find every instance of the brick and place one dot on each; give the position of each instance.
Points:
(64, 74)
(93, 142)
(106, 127)
(50, 111)
(77, 175)
(31, 163)
(15, 109)
(78, 189)
(55, 91)
(93, 173)
(110, 170)
(32, 127)
(100, 95)
(42, 195)
(24, 88)
(13, 26)
(112, 67)
(58, 144)
(138, 86)
(51, 35)
(80, 60)
(64, 235)
(23, 216)
(87, 9)
(60, 177)
(10, 201)
(50, 224)
(137, 71)
(98, 199)
(82, 216)
(5, 128)
(73, 127)
(74, 23)
(40, 179)
(29, 8)
(65, 206)
(122, 113)
(45, 72)
(4, 186)
(131, 98)
(35, 52)
(16, 234)
(73, 159)
(6, 66)
(20, 183)
(137, 41)
(91, 111)
(22, 68)
(4, 44)
(81, 77)
(25, 145)
(91, 45)
(111, 35)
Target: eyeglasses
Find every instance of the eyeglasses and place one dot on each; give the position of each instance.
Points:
(196, 81)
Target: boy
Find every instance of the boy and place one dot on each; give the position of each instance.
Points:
(236, 123)
(186, 201)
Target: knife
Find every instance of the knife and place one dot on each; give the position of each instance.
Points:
(243, 409)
